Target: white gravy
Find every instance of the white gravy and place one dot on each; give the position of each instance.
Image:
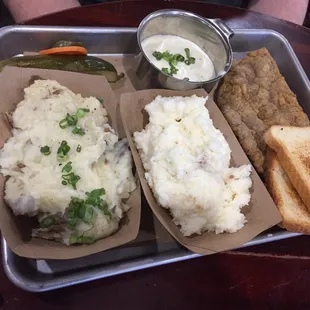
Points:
(201, 70)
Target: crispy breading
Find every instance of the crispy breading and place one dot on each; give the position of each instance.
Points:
(253, 97)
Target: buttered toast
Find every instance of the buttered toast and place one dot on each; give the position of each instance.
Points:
(295, 214)
(292, 146)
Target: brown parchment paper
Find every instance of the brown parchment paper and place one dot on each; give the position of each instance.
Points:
(17, 229)
(261, 213)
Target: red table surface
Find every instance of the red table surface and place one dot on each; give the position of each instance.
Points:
(270, 276)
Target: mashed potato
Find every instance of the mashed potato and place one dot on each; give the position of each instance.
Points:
(186, 160)
(37, 186)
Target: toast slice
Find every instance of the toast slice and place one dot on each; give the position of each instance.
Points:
(292, 145)
(295, 215)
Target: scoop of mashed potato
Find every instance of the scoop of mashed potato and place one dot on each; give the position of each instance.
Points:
(186, 160)
(36, 187)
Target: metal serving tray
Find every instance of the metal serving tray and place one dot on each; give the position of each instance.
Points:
(153, 246)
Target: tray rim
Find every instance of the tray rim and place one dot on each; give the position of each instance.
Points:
(141, 263)
(133, 265)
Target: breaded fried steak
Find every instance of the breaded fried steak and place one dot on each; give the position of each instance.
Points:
(253, 97)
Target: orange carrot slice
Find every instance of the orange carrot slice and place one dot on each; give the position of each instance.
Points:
(65, 50)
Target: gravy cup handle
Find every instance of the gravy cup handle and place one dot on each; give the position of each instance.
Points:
(227, 31)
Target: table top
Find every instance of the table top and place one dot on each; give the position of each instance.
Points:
(270, 276)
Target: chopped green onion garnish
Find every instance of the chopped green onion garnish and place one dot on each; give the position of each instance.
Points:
(72, 212)
(63, 123)
(81, 240)
(83, 210)
(74, 179)
(173, 70)
(167, 56)
(173, 60)
(96, 193)
(74, 204)
(71, 120)
(68, 176)
(71, 178)
(157, 55)
(79, 148)
(86, 214)
(81, 113)
(77, 130)
(86, 240)
(46, 150)
(179, 57)
(190, 60)
(67, 167)
(187, 53)
(105, 209)
(71, 223)
(93, 198)
(48, 222)
(166, 70)
(63, 150)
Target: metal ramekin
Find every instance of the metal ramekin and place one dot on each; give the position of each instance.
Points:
(212, 35)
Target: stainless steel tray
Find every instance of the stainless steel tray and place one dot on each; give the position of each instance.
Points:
(153, 246)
